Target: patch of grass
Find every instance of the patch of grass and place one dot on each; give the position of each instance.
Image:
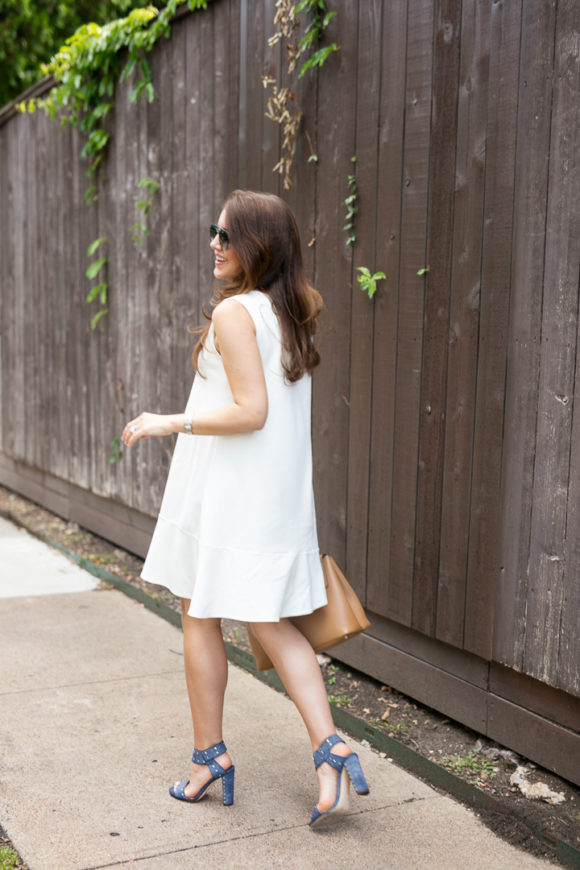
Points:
(399, 728)
(102, 558)
(8, 858)
(469, 765)
(339, 701)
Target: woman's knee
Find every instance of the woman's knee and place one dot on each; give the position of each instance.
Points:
(193, 623)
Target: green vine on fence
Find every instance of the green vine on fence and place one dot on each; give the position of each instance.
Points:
(351, 206)
(99, 290)
(139, 229)
(88, 66)
(86, 70)
(281, 107)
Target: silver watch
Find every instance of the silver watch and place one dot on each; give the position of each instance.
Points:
(188, 425)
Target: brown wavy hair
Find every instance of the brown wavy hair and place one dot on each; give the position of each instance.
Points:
(264, 234)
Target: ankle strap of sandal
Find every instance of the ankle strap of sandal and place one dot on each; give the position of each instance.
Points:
(323, 753)
(204, 756)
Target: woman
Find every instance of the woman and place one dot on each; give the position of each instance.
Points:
(236, 534)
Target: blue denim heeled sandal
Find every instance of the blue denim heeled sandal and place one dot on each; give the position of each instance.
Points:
(208, 756)
(347, 766)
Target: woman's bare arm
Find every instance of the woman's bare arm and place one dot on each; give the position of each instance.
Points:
(235, 338)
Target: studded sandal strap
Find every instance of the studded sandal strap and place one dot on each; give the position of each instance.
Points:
(206, 756)
(323, 753)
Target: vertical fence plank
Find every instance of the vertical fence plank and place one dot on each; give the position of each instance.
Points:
(209, 202)
(259, 28)
(181, 228)
(447, 28)
(411, 306)
(268, 59)
(75, 368)
(121, 323)
(552, 634)
(523, 361)
(196, 235)
(362, 310)
(565, 175)
(388, 241)
(40, 347)
(463, 319)
(233, 89)
(26, 330)
(483, 558)
(222, 98)
(333, 263)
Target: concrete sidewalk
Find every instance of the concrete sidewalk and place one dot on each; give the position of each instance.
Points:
(94, 727)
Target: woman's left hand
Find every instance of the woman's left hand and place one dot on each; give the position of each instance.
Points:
(146, 425)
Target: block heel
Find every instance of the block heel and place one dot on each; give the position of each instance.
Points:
(228, 786)
(208, 756)
(346, 767)
(355, 771)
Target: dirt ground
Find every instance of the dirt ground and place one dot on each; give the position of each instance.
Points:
(459, 750)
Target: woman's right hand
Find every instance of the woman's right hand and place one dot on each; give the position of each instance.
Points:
(147, 425)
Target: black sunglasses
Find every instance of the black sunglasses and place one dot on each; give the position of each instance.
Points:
(214, 231)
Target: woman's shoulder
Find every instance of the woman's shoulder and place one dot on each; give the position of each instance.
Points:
(253, 301)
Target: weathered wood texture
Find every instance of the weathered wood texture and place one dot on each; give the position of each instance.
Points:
(447, 450)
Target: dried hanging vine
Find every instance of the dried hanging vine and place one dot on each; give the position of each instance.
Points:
(281, 106)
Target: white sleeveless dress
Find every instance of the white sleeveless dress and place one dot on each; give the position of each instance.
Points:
(236, 532)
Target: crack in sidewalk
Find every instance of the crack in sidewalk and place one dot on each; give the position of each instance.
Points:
(251, 836)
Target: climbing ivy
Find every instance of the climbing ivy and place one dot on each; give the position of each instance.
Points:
(88, 66)
(351, 206)
(99, 290)
(139, 229)
(86, 70)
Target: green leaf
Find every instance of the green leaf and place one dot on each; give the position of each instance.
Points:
(98, 316)
(130, 66)
(95, 292)
(149, 183)
(95, 268)
(136, 92)
(318, 58)
(97, 242)
(90, 193)
(365, 272)
(313, 158)
(423, 271)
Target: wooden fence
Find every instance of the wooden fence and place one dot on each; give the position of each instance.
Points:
(447, 451)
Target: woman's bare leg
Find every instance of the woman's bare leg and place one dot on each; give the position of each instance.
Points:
(298, 668)
(206, 676)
